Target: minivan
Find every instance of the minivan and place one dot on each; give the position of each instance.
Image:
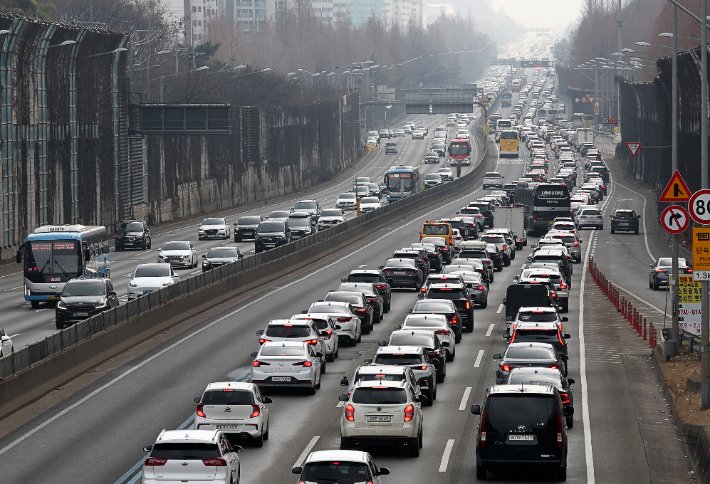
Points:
(522, 425)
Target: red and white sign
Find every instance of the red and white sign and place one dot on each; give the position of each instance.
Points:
(675, 219)
(634, 147)
(699, 206)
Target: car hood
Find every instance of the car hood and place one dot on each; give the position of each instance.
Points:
(220, 260)
(330, 218)
(370, 205)
(247, 226)
(176, 252)
(213, 227)
(271, 234)
(83, 299)
(151, 281)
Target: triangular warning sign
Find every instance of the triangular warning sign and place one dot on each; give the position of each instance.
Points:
(676, 190)
(634, 147)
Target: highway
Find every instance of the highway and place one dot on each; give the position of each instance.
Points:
(97, 433)
(27, 325)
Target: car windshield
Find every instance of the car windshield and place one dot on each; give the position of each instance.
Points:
(185, 451)
(506, 412)
(176, 246)
(379, 396)
(299, 221)
(213, 221)
(153, 270)
(336, 471)
(132, 227)
(287, 331)
(279, 214)
(276, 350)
(445, 293)
(528, 352)
(369, 200)
(84, 288)
(303, 205)
(432, 177)
(537, 317)
(432, 307)
(436, 229)
(266, 227)
(331, 213)
(249, 221)
(397, 359)
(222, 253)
(227, 396)
(409, 339)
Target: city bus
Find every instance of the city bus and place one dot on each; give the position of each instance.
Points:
(402, 181)
(541, 204)
(547, 113)
(506, 99)
(53, 254)
(509, 143)
(459, 151)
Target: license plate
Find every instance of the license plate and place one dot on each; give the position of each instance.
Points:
(269, 245)
(399, 273)
(81, 314)
(521, 437)
(281, 378)
(378, 418)
(228, 427)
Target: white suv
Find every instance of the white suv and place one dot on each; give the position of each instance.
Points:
(191, 455)
(340, 466)
(235, 408)
(350, 326)
(382, 411)
(327, 328)
(589, 216)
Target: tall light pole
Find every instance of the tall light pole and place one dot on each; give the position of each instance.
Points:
(705, 327)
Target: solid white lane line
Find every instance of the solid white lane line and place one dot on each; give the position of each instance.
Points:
(589, 457)
(490, 329)
(446, 456)
(478, 359)
(306, 451)
(464, 399)
(500, 309)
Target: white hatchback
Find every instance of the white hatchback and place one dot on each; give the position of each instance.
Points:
(287, 364)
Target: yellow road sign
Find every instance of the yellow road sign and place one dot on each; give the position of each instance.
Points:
(701, 253)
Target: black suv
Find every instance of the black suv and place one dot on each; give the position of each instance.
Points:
(625, 219)
(245, 227)
(83, 298)
(375, 277)
(132, 234)
(271, 234)
(522, 425)
(457, 294)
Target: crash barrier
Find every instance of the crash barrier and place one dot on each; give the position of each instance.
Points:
(67, 353)
(623, 303)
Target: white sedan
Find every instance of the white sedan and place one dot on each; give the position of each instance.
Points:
(330, 217)
(214, 228)
(150, 277)
(346, 201)
(178, 253)
(287, 364)
(368, 204)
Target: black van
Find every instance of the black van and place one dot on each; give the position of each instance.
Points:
(522, 425)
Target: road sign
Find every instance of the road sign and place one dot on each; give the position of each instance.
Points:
(699, 206)
(675, 219)
(612, 120)
(634, 147)
(701, 253)
(597, 109)
(676, 190)
(689, 300)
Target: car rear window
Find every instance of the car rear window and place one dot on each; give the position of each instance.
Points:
(327, 308)
(352, 298)
(227, 397)
(535, 336)
(507, 412)
(185, 451)
(379, 377)
(432, 306)
(538, 317)
(282, 351)
(379, 396)
(528, 352)
(336, 471)
(445, 293)
(284, 331)
(363, 278)
(397, 359)
(411, 340)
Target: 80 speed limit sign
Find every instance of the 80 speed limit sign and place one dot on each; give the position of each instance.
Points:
(699, 206)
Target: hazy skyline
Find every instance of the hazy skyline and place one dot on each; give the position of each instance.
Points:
(559, 14)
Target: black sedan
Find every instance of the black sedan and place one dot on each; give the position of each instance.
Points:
(659, 271)
(403, 273)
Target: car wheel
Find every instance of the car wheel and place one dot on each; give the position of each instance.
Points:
(440, 377)
(259, 441)
(428, 401)
(565, 307)
(387, 306)
(612, 230)
(359, 338)
(450, 356)
(654, 286)
(337, 352)
(636, 231)
(150, 243)
(484, 304)
(312, 389)
(570, 422)
(457, 339)
(481, 472)
(266, 434)
(323, 366)
(59, 324)
(34, 304)
(144, 246)
(345, 444)
(330, 357)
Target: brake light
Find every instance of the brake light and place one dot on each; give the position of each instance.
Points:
(443, 331)
(256, 410)
(329, 332)
(660, 270)
(380, 286)
(408, 413)
(423, 290)
(468, 304)
(505, 367)
(553, 294)
(155, 461)
(563, 285)
(306, 363)
(505, 246)
(349, 413)
(565, 398)
(559, 338)
(264, 340)
(215, 462)
(554, 366)
(200, 412)
(312, 342)
(344, 319)
(483, 429)
(689, 270)
(361, 310)
(481, 288)
(444, 249)
(454, 321)
(257, 363)
(423, 367)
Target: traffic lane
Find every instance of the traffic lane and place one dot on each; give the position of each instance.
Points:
(40, 326)
(176, 374)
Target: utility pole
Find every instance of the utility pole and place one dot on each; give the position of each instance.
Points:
(620, 45)
(705, 327)
(675, 329)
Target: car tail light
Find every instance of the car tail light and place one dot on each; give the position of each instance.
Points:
(505, 247)
(349, 413)
(257, 363)
(155, 461)
(565, 398)
(200, 412)
(256, 411)
(443, 331)
(380, 286)
(559, 338)
(483, 429)
(689, 270)
(312, 342)
(344, 319)
(481, 288)
(214, 462)
(563, 285)
(660, 270)
(553, 294)
(423, 289)
(454, 320)
(554, 366)
(468, 304)
(560, 431)
(361, 310)
(444, 249)
(423, 367)
(306, 363)
(372, 299)
(408, 413)
(329, 332)
(505, 367)
(264, 340)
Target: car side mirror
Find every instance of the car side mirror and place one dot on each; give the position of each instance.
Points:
(204, 256)
(446, 344)
(638, 216)
(381, 267)
(266, 399)
(197, 399)
(497, 356)
(305, 311)
(476, 409)
(343, 279)
(259, 332)
(570, 381)
(568, 411)
(368, 361)
(235, 224)
(564, 357)
(343, 397)
(383, 471)
(382, 343)
(566, 336)
(344, 381)
(254, 354)
(564, 319)
(297, 470)
(398, 326)
(237, 449)
(147, 448)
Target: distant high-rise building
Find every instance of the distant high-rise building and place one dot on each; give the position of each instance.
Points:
(330, 11)
(433, 11)
(239, 15)
(391, 12)
(198, 16)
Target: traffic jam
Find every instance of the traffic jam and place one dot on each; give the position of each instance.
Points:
(524, 417)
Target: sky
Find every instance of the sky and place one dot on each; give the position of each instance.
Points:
(559, 14)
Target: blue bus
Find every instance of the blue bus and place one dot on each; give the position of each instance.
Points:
(53, 254)
(402, 181)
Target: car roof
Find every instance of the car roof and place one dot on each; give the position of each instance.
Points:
(337, 455)
(384, 369)
(393, 350)
(365, 271)
(288, 322)
(529, 325)
(521, 389)
(188, 436)
(235, 385)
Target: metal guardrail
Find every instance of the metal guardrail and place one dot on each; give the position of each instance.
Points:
(19, 361)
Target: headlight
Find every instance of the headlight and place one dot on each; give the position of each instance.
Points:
(160, 255)
(206, 263)
(132, 284)
(101, 304)
(61, 305)
(167, 283)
